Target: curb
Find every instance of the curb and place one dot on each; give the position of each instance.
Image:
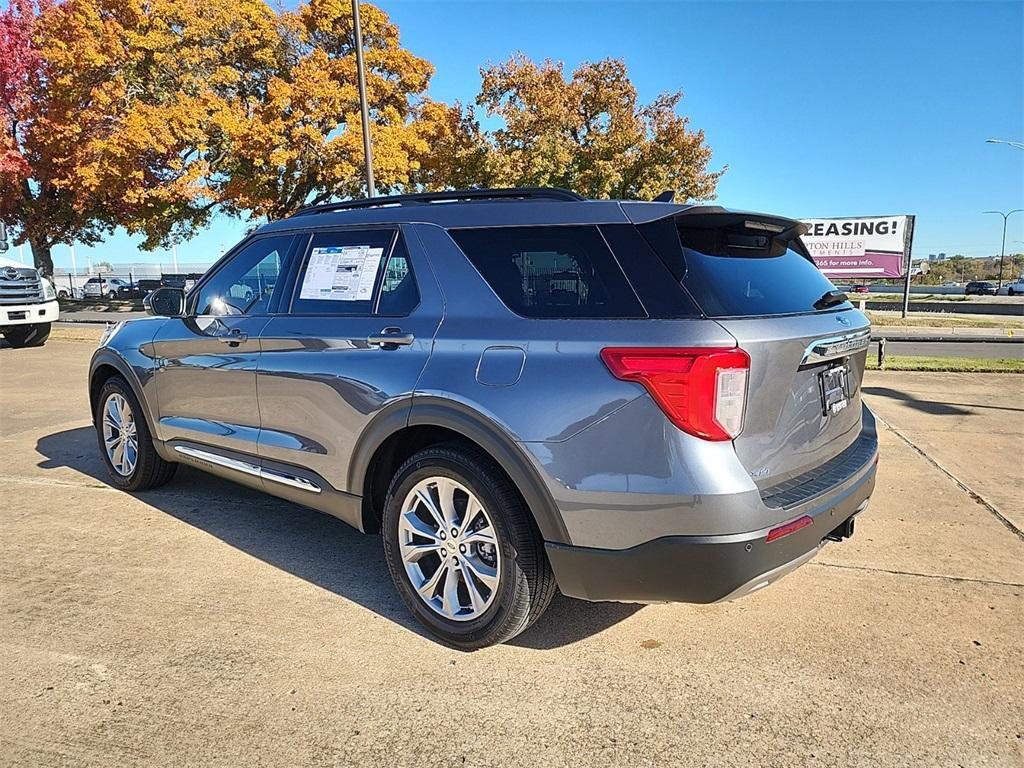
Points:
(954, 339)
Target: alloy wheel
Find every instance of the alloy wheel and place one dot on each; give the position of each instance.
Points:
(449, 549)
(120, 436)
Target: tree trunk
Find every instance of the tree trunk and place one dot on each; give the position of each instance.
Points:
(41, 256)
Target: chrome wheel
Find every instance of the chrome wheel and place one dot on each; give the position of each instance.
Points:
(120, 438)
(449, 548)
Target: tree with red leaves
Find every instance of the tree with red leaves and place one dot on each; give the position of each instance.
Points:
(20, 64)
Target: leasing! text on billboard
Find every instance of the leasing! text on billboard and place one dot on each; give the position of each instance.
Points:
(863, 246)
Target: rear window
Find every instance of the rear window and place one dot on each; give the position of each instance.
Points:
(731, 274)
(551, 272)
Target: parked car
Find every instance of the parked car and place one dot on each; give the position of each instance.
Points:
(518, 389)
(28, 305)
(104, 287)
(860, 288)
(69, 292)
(180, 280)
(1016, 288)
(146, 286)
(137, 289)
(979, 288)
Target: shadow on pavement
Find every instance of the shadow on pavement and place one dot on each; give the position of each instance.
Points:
(934, 407)
(308, 544)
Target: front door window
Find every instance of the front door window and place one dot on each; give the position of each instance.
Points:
(245, 284)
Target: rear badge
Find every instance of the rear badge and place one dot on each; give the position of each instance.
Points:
(759, 474)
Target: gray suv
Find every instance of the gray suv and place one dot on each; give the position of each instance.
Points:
(519, 390)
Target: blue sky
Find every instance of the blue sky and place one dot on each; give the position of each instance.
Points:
(819, 109)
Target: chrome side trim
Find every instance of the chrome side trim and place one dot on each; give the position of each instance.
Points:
(286, 479)
(821, 350)
(249, 469)
(216, 458)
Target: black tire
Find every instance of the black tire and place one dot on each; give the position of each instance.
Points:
(150, 471)
(28, 335)
(526, 583)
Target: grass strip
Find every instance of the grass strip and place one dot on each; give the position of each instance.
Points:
(953, 364)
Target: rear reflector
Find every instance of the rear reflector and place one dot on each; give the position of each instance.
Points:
(703, 391)
(787, 528)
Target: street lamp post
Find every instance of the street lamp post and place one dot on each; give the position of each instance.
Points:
(1002, 250)
(361, 73)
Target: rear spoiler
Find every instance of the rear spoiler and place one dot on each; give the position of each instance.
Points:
(756, 233)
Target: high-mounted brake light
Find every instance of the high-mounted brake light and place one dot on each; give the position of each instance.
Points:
(702, 390)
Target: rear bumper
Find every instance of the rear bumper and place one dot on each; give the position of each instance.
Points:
(28, 314)
(704, 569)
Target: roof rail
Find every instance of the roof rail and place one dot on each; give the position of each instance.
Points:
(456, 195)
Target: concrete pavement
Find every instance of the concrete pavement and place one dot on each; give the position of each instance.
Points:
(967, 423)
(203, 624)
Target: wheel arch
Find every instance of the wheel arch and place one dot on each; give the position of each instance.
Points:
(397, 434)
(106, 364)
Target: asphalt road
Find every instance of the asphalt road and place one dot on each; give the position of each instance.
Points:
(977, 349)
(204, 624)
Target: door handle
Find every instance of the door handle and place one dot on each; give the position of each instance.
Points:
(391, 338)
(234, 337)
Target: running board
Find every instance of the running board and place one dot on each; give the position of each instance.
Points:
(249, 469)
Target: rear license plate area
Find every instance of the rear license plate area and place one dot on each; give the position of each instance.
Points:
(834, 385)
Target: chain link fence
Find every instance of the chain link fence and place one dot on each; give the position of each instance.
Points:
(122, 283)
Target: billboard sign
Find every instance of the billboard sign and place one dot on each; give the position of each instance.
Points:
(861, 246)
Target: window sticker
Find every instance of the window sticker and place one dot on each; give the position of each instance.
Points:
(341, 273)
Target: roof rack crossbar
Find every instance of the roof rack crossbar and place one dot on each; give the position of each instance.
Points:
(516, 193)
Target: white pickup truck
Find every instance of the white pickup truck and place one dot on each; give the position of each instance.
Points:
(1016, 288)
(28, 304)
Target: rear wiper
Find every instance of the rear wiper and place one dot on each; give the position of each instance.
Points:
(830, 299)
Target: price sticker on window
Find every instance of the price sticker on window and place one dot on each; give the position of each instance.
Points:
(342, 273)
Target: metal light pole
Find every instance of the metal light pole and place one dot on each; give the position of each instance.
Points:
(1002, 251)
(371, 190)
(1016, 144)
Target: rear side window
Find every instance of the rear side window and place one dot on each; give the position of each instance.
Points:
(732, 274)
(551, 272)
(342, 272)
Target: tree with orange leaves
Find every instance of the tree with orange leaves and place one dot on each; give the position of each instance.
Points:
(587, 132)
(154, 114)
(299, 141)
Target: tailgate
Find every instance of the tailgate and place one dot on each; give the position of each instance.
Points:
(801, 411)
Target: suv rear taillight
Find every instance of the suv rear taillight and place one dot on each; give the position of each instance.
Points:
(703, 390)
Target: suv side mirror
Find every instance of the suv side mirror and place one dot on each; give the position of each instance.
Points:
(165, 302)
